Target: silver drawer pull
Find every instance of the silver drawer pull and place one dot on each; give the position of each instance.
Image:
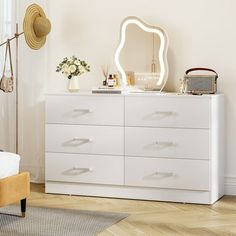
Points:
(164, 174)
(83, 110)
(90, 169)
(167, 113)
(165, 143)
(86, 140)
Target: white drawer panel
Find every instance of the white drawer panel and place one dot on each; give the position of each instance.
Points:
(187, 112)
(85, 139)
(85, 168)
(167, 142)
(96, 110)
(167, 173)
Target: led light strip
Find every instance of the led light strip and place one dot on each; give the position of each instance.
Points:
(134, 20)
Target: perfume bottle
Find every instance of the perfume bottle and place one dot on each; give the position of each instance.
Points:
(116, 80)
(110, 81)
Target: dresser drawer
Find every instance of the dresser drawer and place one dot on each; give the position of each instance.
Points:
(85, 168)
(167, 173)
(162, 111)
(167, 142)
(91, 110)
(85, 139)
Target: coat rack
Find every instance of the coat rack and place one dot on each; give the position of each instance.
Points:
(36, 27)
(16, 37)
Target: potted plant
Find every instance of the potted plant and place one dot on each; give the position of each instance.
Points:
(72, 68)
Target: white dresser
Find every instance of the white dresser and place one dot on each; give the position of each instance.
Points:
(166, 147)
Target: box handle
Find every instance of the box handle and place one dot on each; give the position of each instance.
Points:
(201, 68)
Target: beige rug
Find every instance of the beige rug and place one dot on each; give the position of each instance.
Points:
(55, 222)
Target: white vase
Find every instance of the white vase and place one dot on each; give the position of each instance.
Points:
(73, 84)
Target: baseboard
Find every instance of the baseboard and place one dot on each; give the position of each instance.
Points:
(230, 185)
(128, 192)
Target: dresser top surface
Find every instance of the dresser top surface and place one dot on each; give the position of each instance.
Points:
(133, 94)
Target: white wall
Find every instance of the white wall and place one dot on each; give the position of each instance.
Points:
(201, 33)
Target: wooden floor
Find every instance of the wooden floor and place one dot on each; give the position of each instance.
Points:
(148, 217)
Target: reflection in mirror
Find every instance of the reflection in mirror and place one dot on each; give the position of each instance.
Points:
(141, 55)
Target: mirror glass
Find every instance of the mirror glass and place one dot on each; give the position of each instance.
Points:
(141, 55)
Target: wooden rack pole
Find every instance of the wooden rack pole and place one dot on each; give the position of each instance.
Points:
(17, 94)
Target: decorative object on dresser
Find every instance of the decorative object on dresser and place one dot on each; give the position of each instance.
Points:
(72, 68)
(105, 71)
(110, 90)
(164, 147)
(199, 83)
(145, 68)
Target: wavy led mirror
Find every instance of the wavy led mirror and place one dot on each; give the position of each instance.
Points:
(141, 56)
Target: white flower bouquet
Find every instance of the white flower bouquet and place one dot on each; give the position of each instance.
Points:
(72, 67)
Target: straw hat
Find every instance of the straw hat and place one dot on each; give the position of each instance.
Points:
(36, 26)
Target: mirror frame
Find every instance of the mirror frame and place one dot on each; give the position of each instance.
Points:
(164, 42)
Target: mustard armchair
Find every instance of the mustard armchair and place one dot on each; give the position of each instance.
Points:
(15, 188)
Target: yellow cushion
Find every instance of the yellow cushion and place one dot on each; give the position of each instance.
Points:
(14, 188)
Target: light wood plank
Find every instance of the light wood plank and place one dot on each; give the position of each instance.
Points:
(150, 218)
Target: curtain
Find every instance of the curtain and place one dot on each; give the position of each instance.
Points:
(7, 101)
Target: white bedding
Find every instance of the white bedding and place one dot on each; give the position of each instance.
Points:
(9, 164)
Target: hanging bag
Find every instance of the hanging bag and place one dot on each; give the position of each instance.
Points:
(6, 82)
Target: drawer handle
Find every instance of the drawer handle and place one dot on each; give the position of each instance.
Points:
(83, 110)
(164, 174)
(85, 140)
(167, 113)
(90, 169)
(167, 144)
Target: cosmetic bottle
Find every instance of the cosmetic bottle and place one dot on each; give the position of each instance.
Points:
(104, 82)
(116, 80)
(110, 81)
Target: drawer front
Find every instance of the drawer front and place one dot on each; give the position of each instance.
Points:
(186, 112)
(167, 142)
(167, 173)
(95, 110)
(85, 168)
(85, 139)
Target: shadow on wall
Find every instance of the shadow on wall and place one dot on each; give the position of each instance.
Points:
(172, 84)
(31, 141)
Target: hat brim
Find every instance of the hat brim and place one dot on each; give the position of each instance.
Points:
(31, 38)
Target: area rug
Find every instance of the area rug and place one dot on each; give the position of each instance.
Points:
(55, 222)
